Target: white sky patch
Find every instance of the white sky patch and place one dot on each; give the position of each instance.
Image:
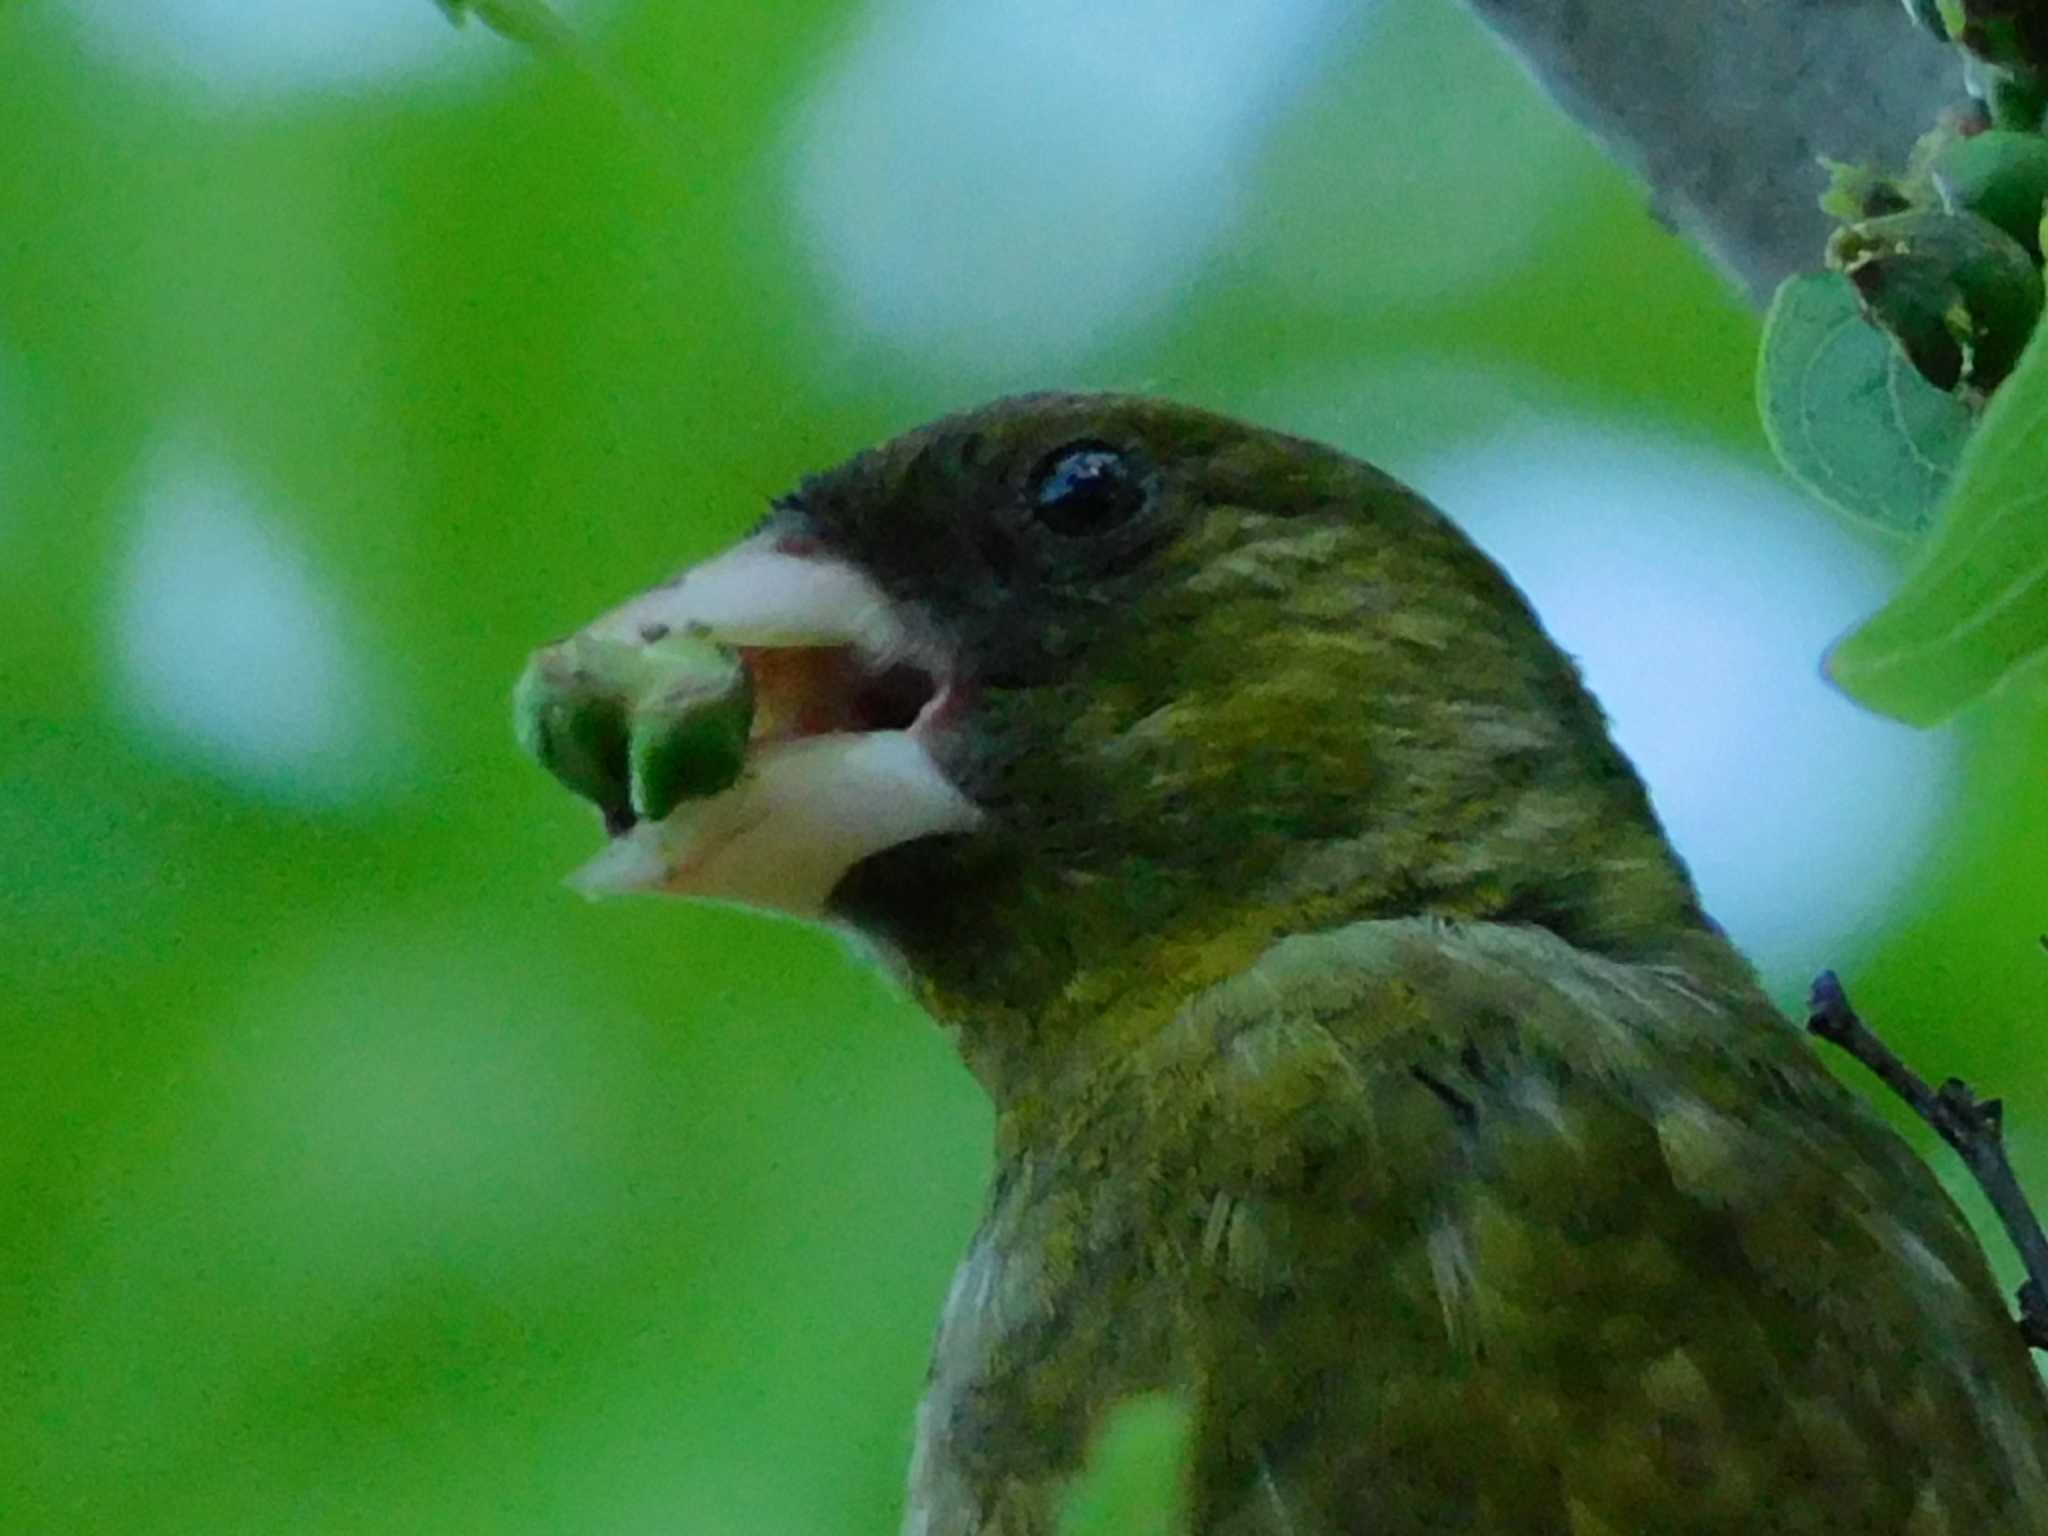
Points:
(287, 47)
(1403, 412)
(1008, 185)
(1698, 595)
(232, 653)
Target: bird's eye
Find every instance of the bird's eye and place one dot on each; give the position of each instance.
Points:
(1087, 488)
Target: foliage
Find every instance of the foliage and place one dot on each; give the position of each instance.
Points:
(1943, 264)
(1849, 416)
(531, 22)
(358, 1178)
(1975, 611)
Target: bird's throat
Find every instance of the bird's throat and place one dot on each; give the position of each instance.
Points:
(1047, 978)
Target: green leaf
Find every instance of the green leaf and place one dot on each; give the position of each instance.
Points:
(1136, 1478)
(531, 22)
(1850, 418)
(1976, 610)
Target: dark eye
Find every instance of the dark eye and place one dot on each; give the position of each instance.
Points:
(1087, 488)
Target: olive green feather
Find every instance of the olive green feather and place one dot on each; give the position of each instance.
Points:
(1366, 1073)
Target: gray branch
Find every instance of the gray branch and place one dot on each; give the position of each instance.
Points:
(1724, 107)
(1974, 1127)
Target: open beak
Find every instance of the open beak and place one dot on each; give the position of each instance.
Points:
(828, 701)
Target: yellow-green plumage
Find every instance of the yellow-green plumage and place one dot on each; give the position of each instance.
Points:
(1365, 1069)
(1454, 1227)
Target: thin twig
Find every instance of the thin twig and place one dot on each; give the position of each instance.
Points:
(1974, 1127)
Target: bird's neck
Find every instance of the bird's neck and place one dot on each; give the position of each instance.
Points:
(1215, 782)
(1047, 984)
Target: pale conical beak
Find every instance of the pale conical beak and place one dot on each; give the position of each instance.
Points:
(836, 762)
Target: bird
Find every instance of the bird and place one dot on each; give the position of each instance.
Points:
(1366, 1072)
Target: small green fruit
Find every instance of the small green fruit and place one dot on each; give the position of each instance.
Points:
(636, 729)
(1858, 191)
(1997, 175)
(2009, 33)
(569, 712)
(689, 731)
(1956, 292)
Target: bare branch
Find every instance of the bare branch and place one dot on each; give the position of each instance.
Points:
(1725, 106)
(1974, 1127)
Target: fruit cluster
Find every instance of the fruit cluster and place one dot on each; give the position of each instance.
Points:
(1946, 259)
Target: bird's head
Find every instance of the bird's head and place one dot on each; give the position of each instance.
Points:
(1075, 702)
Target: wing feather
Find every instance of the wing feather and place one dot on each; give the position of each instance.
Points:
(1505, 1237)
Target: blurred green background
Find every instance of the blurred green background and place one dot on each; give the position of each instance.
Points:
(354, 1176)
